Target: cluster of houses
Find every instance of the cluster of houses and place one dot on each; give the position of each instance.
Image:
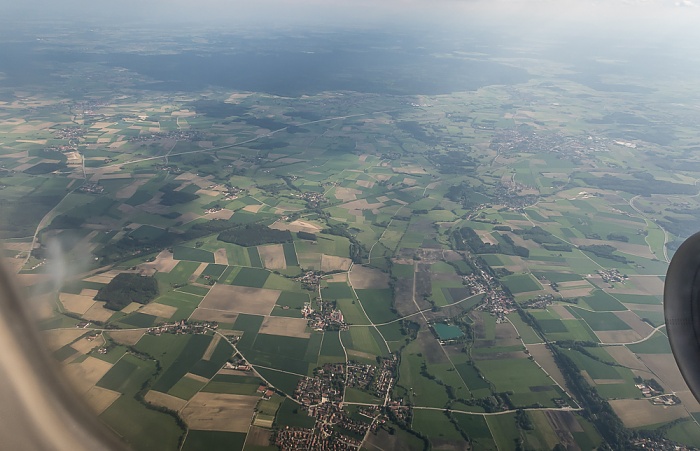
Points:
(659, 445)
(326, 318)
(377, 380)
(309, 279)
(169, 168)
(542, 301)
(69, 133)
(233, 192)
(648, 391)
(330, 418)
(326, 385)
(402, 413)
(475, 283)
(612, 275)
(179, 135)
(334, 431)
(322, 397)
(183, 327)
(575, 147)
(91, 188)
(655, 393)
(302, 439)
(666, 400)
(499, 304)
(265, 391)
(313, 199)
(238, 363)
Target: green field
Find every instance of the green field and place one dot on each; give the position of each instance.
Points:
(140, 427)
(191, 254)
(477, 429)
(251, 277)
(656, 344)
(602, 301)
(290, 254)
(211, 440)
(522, 376)
(127, 375)
(377, 304)
(213, 270)
(186, 388)
(337, 290)
(504, 431)
(521, 283)
(438, 426)
(177, 355)
(600, 321)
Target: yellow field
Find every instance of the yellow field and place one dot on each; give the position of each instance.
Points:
(296, 226)
(618, 336)
(219, 412)
(196, 377)
(666, 370)
(105, 277)
(130, 189)
(332, 263)
(132, 307)
(220, 257)
(160, 310)
(98, 313)
(625, 357)
(346, 194)
(164, 262)
(288, 327)
(632, 320)
(252, 208)
(85, 374)
(362, 277)
(165, 400)
(221, 214)
(230, 298)
(561, 311)
(75, 302)
(58, 338)
(212, 346)
(127, 337)
(204, 314)
(99, 399)
(272, 256)
(198, 272)
(640, 412)
(84, 345)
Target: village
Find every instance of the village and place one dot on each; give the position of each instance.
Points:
(574, 147)
(327, 317)
(91, 188)
(322, 397)
(183, 327)
(179, 135)
(496, 301)
(611, 275)
(310, 279)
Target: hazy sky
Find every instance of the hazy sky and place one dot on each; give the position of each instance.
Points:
(338, 12)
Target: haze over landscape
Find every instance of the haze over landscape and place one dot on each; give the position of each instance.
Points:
(315, 225)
